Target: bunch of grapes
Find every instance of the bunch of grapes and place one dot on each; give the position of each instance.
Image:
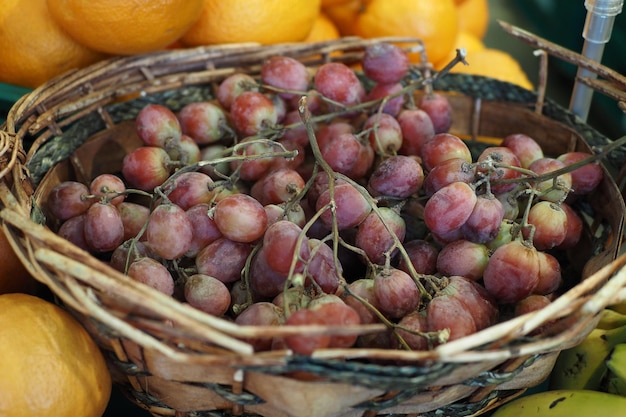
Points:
(333, 198)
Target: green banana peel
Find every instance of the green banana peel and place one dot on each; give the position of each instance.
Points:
(610, 319)
(584, 366)
(564, 403)
(616, 365)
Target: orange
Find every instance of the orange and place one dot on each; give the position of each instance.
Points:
(265, 22)
(34, 48)
(14, 277)
(434, 22)
(327, 3)
(323, 30)
(125, 27)
(474, 17)
(496, 64)
(344, 16)
(50, 365)
(466, 40)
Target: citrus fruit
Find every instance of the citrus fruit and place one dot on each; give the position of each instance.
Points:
(34, 48)
(474, 17)
(323, 30)
(327, 3)
(14, 277)
(265, 22)
(125, 27)
(344, 15)
(496, 64)
(50, 365)
(434, 22)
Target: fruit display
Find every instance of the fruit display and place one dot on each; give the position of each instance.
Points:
(318, 211)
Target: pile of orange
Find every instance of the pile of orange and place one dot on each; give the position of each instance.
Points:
(58, 35)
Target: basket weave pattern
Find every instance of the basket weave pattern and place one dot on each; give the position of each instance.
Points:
(176, 361)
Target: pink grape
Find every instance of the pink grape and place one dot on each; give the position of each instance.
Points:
(386, 134)
(205, 230)
(448, 312)
(285, 73)
(586, 178)
(417, 127)
(232, 86)
(251, 112)
(68, 199)
(550, 225)
(281, 240)
(203, 121)
(524, 147)
(223, 259)
(104, 230)
(208, 294)
(108, 186)
(480, 304)
(146, 167)
(262, 313)
(411, 329)
(397, 176)
(151, 272)
(385, 63)
(351, 207)
(157, 125)
(574, 228)
(396, 293)
(464, 258)
(293, 213)
(342, 152)
(483, 224)
(339, 83)
(373, 237)
(73, 230)
(126, 253)
(512, 272)
(439, 109)
(423, 256)
(550, 278)
(337, 313)
(164, 219)
(134, 218)
(322, 267)
(447, 172)
(240, 218)
(441, 147)
(364, 289)
(303, 344)
(547, 187)
(265, 282)
(449, 208)
(390, 97)
(189, 189)
(499, 163)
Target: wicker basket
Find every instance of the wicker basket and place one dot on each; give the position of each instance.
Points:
(176, 361)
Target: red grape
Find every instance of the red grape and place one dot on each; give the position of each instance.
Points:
(397, 176)
(524, 147)
(396, 293)
(73, 230)
(134, 218)
(104, 230)
(550, 225)
(68, 199)
(339, 83)
(164, 219)
(281, 241)
(449, 208)
(447, 172)
(373, 237)
(208, 294)
(152, 273)
(553, 189)
(203, 121)
(189, 189)
(439, 109)
(448, 312)
(423, 256)
(364, 289)
(499, 163)
(232, 86)
(550, 278)
(390, 98)
(574, 228)
(303, 344)
(386, 134)
(265, 282)
(464, 258)
(146, 167)
(157, 125)
(385, 63)
(441, 147)
(262, 313)
(417, 127)
(483, 224)
(586, 178)
(342, 152)
(337, 313)
(351, 207)
(512, 272)
(223, 259)
(285, 73)
(411, 329)
(205, 230)
(240, 218)
(108, 186)
(322, 267)
(251, 112)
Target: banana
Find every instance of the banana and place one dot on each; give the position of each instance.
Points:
(565, 403)
(610, 319)
(584, 366)
(616, 364)
(619, 308)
